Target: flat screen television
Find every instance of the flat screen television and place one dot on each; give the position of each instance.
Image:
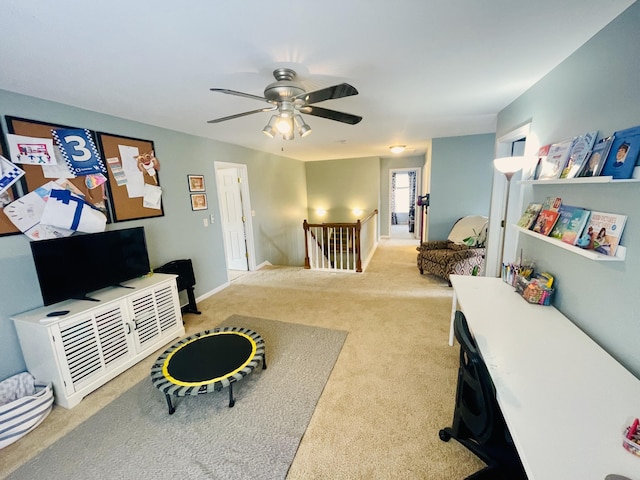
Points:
(72, 267)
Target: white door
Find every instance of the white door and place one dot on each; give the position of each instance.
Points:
(233, 219)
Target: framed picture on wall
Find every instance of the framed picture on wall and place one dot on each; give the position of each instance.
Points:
(196, 183)
(199, 201)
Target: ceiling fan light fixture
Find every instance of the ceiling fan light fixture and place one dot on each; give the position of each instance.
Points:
(301, 125)
(270, 129)
(284, 124)
(288, 135)
(397, 148)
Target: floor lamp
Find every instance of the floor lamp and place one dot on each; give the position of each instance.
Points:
(508, 166)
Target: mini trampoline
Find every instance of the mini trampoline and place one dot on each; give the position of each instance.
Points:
(208, 361)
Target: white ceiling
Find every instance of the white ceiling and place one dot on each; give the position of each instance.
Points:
(424, 68)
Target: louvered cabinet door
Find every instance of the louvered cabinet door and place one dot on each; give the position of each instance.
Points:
(90, 345)
(155, 314)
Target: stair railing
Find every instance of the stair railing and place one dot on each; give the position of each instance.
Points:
(340, 246)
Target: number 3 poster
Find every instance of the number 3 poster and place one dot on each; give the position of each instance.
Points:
(79, 151)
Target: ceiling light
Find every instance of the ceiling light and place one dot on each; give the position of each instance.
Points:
(270, 129)
(303, 128)
(397, 148)
(284, 124)
(288, 135)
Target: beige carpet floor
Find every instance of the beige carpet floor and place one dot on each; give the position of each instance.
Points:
(391, 389)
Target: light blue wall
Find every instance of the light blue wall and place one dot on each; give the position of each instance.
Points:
(461, 176)
(596, 88)
(278, 196)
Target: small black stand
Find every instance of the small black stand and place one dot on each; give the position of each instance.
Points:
(191, 307)
(186, 281)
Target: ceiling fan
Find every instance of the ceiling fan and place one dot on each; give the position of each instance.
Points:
(290, 99)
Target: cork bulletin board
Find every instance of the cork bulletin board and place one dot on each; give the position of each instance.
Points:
(6, 226)
(124, 206)
(34, 176)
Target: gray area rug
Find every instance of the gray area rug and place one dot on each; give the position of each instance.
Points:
(135, 437)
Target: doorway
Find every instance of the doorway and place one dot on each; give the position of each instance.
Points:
(403, 189)
(514, 143)
(235, 213)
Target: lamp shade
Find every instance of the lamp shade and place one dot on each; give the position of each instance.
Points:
(270, 129)
(509, 164)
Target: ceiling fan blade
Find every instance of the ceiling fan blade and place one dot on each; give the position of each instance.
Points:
(337, 91)
(244, 114)
(239, 94)
(331, 114)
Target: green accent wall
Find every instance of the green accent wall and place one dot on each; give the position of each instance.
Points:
(339, 186)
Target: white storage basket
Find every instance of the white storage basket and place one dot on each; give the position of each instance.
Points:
(20, 416)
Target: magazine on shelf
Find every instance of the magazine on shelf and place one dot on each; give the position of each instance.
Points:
(570, 224)
(593, 166)
(603, 232)
(579, 153)
(623, 154)
(530, 215)
(551, 167)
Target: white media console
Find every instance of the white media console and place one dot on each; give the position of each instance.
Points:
(79, 345)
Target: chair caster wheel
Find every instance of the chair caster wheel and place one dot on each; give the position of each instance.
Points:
(444, 435)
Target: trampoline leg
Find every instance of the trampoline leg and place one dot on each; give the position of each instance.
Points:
(232, 401)
(264, 361)
(170, 404)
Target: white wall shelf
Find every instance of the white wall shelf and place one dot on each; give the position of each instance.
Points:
(621, 252)
(579, 180)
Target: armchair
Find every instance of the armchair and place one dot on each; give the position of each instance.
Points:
(462, 253)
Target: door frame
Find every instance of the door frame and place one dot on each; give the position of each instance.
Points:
(418, 171)
(246, 211)
(504, 148)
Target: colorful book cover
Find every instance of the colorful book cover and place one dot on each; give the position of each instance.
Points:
(570, 224)
(552, 203)
(534, 170)
(593, 166)
(530, 215)
(545, 222)
(579, 153)
(623, 154)
(604, 231)
(556, 160)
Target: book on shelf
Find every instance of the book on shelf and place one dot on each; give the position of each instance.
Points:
(593, 166)
(551, 167)
(571, 222)
(623, 154)
(530, 215)
(545, 222)
(579, 153)
(534, 171)
(603, 232)
(552, 203)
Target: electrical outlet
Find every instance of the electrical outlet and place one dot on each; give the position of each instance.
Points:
(212, 218)
(205, 222)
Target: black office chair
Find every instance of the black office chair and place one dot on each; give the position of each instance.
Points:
(478, 423)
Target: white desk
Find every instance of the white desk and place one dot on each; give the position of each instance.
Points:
(565, 399)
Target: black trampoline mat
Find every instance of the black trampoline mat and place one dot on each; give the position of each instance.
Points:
(210, 358)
